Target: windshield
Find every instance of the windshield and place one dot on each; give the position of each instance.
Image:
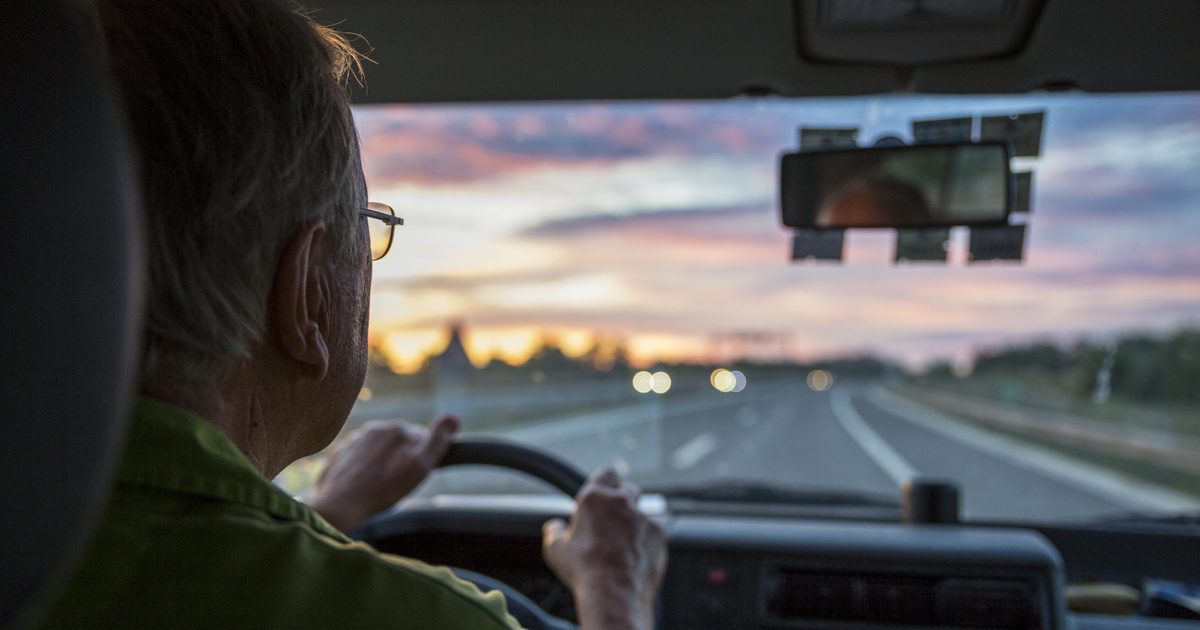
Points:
(612, 283)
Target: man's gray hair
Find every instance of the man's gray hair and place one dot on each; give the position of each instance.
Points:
(239, 111)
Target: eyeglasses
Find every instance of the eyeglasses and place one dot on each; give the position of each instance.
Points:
(380, 229)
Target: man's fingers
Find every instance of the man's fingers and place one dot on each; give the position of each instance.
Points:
(552, 530)
(437, 440)
(446, 426)
(632, 492)
(606, 477)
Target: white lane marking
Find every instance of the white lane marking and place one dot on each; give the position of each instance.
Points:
(1090, 478)
(884, 456)
(694, 450)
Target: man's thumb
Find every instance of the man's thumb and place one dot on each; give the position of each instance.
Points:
(443, 430)
(552, 530)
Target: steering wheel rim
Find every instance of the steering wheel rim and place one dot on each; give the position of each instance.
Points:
(540, 464)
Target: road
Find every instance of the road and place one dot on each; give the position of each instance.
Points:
(856, 436)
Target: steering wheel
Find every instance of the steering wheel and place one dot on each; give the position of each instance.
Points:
(540, 464)
(549, 468)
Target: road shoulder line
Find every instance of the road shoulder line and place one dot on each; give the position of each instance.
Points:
(694, 450)
(1080, 474)
(889, 461)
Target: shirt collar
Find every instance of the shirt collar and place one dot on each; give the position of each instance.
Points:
(170, 448)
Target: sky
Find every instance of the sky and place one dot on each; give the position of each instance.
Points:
(658, 223)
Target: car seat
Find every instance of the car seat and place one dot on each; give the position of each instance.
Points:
(70, 294)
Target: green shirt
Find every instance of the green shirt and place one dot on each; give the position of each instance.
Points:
(195, 537)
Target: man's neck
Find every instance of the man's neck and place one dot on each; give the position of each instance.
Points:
(241, 413)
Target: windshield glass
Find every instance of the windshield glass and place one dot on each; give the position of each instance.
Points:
(611, 282)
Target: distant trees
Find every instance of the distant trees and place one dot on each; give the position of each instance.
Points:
(864, 366)
(607, 353)
(1140, 366)
(1159, 369)
(1040, 356)
(548, 364)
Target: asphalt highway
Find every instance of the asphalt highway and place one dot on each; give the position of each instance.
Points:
(857, 436)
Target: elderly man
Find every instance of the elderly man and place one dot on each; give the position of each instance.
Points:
(255, 350)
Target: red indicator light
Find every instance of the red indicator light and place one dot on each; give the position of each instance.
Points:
(718, 576)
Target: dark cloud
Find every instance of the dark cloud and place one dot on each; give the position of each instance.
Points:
(680, 218)
(467, 283)
(1143, 194)
(465, 143)
(1084, 119)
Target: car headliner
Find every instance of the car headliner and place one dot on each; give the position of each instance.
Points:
(536, 50)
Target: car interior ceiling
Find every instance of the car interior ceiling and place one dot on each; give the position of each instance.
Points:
(480, 51)
(432, 51)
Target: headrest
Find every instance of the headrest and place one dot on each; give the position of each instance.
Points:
(70, 294)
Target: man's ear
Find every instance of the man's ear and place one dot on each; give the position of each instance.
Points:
(297, 300)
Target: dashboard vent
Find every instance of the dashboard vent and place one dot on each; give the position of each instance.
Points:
(899, 600)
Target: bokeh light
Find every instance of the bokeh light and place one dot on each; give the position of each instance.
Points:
(643, 382)
(820, 380)
(660, 382)
(722, 380)
(726, 381)
(739, 381)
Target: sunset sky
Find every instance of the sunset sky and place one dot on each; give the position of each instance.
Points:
(658, 223)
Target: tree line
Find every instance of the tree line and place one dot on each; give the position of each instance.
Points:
(1135, 366)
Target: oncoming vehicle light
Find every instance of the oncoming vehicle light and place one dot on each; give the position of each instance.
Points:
(727, 382)
(820, 380)
(660, 382)
(739, 381)
(643, 382)
(722, 380)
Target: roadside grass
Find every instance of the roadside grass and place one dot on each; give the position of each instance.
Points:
(1143, 469)
(1035, 390)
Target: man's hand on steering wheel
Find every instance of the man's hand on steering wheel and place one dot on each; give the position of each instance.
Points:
(611, 555)
(376, 466)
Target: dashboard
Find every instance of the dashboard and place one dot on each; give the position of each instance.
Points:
(752, 573)
(770, 571)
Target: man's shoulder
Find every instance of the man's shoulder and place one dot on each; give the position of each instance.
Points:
(206, 564)
(425, 594)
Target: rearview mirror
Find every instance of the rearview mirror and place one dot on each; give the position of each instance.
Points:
(927, 185)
